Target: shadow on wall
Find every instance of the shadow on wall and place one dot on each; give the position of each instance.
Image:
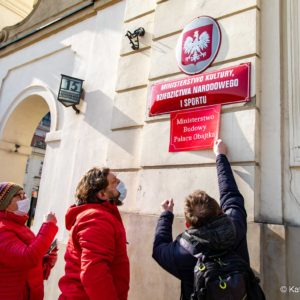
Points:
(280, 248)
(293, 262)
(148, 280)
(225, 45)
(98, 115)
(274, 259)
(246, 177)
(162, 48)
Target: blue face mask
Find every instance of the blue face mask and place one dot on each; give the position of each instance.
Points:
(121, 188)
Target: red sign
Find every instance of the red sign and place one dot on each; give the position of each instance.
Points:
(227, 85)
(198, 45)
(194, 129)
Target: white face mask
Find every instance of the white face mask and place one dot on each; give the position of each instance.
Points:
(121, 188)
(23, 205)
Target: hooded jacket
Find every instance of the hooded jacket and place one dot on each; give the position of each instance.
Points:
(214, 238)
(225, 232)
(21, 272)
(97, 266)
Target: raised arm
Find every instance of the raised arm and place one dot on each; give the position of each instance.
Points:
(16, 253)
(231, 200)
(163, 246)
(227, 186)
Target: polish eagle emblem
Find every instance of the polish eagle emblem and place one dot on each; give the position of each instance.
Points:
(198, 45)
(196, 48)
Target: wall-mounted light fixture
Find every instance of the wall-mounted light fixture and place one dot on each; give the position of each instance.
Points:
(134, 37)
(17, 146)
(70, 91)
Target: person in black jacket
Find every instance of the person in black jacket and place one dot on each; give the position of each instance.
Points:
(215, 227)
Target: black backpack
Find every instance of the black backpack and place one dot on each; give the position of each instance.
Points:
(222, 276)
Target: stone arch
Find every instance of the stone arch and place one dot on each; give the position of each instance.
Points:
(18, 126)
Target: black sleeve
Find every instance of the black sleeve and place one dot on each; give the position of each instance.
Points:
(231, 200)
(163, 246)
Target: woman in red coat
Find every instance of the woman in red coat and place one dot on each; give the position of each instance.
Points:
(97, 266)
(21, 252)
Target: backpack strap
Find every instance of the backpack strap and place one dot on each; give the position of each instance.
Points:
(191, 245)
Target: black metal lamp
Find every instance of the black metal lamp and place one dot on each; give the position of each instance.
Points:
(134, 37)
(70, 91)
(17, 146)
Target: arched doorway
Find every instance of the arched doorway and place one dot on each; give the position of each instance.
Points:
(16, 137)
(18, 128)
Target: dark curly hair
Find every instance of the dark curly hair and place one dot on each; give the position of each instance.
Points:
(90, 184)
(200, 208)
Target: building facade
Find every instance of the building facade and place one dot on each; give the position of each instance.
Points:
(34, 164)
(12, 12)
(86, 40)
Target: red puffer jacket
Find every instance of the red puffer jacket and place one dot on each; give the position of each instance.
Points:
(21, 253)
(97, 266)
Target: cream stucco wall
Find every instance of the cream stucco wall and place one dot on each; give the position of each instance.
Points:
(12, 12)
(156, 62)
(160, 174)
(251, 31)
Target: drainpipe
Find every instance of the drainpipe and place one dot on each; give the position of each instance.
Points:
(73, 12)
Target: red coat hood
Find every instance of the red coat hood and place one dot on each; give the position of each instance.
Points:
(74, 211)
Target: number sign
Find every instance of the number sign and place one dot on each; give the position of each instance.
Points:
(69, 90)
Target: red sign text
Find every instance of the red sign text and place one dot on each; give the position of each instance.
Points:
(223, 86)
(194, 129)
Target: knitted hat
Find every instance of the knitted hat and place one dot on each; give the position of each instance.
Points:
(7, 192)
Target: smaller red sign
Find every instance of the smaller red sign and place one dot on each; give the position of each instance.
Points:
(194, 129)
